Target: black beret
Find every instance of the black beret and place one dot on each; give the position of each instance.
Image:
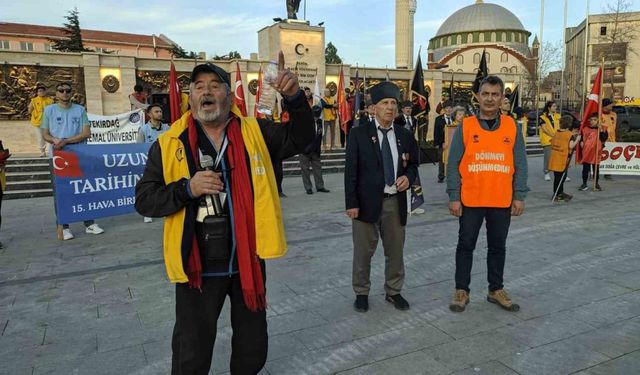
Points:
(384, 90)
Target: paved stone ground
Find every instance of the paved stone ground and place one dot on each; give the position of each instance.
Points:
(102, 305)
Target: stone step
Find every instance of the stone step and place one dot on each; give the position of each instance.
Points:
(28, 185)
(26, 160)
(25, 194)
(32, 167)
(29, 176)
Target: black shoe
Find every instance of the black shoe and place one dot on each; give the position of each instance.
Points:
(1, 247)
(440, 181)
(309, 191)
(282, 195)
(362, 303)
(583, 187)
(323, 190)
(598, 188)
(398, 301)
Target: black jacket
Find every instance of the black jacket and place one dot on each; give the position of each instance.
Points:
(438, 130)
(364, 176)
(401, 121)
(156, 199)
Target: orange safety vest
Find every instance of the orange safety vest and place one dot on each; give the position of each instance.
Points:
(559, 151)
(487, 166)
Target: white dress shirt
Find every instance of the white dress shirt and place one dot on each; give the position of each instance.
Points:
(391, 136)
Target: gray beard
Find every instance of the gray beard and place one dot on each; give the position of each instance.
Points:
(208, 116)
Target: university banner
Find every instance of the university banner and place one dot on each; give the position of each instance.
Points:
(122, 128)
(620, 158)
(94, 181)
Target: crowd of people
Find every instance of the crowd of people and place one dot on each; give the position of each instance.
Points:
(222, 221)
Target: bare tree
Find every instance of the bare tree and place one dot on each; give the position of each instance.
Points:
(619, 33)
(549, 59)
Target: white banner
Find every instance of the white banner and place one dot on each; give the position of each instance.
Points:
(122, 128)
(620, 158)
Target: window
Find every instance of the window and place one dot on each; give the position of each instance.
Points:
(504, 57)
(504, 37)
(449, 41)
(603, 30)
(459, 59)
(481, 37)
(476, 58)
(26, 46)
(459, 39)
(4, 44)
(504, 70)
(514, 69)
(487, 56)
(469, 38)
(493, 37)
(47, 47)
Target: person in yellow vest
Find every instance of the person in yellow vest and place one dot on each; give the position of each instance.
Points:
(35, 109)
(561, 145)
(549, 122)
(609, 123)
(486, 180)
(329, 117)
(211, 177)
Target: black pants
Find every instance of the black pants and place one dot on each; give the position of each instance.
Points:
(279, 172)
(440, 164)
(585, 172)
(195, 330)
(558, 182)
(497, 223)
(86, 224)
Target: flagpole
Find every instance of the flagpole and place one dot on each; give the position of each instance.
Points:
(585, 73)
(596, 169)
(564, 54)
(539, 57)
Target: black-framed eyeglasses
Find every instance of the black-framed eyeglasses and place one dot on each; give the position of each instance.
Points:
(66, 91)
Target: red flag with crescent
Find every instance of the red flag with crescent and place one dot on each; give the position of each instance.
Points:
(66, 164)
(239, 92)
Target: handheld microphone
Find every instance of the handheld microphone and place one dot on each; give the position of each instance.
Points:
(206, 163)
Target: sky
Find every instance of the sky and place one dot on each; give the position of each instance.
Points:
(362, 30)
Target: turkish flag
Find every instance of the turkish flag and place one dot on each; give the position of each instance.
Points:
(239, 93)
(66, 164)
(174, 94)
(592, 106)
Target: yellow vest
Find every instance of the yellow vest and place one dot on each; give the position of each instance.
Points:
(38, 104)
(550, 125)
(329, 114)
(610, 121)
(270, 238)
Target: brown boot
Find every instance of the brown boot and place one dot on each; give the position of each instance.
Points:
(459, 301)
(501, 298)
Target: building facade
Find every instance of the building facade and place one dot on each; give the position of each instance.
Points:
(614, 38)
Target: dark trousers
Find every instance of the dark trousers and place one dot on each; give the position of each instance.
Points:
(311, 163)
(195, 330)
(343, 136)
(440, 164)
(86, 224)
(585, 172)
(558, 181)
(277, 170)
(497, 223)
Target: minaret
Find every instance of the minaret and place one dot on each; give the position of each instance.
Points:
(405, 10)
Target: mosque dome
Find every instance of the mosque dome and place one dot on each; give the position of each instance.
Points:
(480, 16)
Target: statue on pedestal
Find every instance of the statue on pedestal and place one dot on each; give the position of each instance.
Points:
(292, 9)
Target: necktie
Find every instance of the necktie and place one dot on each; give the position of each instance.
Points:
(387, 159)
(409, 122)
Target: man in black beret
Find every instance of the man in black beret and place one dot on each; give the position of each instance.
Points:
(382, 163)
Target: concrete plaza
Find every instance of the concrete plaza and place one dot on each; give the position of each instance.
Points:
(102, 304)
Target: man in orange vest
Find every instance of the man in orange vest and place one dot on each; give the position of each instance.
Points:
(486, 180)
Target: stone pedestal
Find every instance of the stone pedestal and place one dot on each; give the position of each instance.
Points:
(302, 45)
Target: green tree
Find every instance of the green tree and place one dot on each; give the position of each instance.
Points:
(179, 53)
(331, 55)
(230, 56)
(73, 40)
